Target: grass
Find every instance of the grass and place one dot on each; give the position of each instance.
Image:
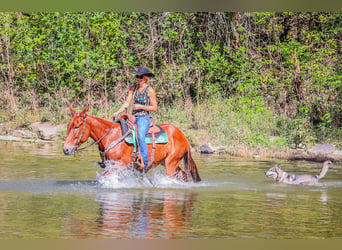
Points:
(243, 131)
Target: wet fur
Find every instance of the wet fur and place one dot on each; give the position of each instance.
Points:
(298, 179)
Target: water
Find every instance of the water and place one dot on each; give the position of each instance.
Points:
(45, 194)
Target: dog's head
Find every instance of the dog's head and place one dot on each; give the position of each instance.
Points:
(273, 171)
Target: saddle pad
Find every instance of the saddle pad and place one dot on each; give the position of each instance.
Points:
(161, 137)
(160, 140)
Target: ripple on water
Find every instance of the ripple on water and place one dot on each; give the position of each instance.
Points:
(126, 179)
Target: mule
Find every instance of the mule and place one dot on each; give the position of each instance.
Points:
(112, 146)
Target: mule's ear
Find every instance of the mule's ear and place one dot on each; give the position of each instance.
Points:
(73, 112)
(84, 112)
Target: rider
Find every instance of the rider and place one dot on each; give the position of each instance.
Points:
(144, 101)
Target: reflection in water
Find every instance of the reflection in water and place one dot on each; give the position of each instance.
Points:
(323, 197)
(46, 148)
(45, 194)
(145, 215)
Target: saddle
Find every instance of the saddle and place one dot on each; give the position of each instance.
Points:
(155, 135)
(127, 122)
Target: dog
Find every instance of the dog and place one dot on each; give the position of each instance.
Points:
(299, 179)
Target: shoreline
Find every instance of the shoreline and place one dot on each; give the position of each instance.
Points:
(47, 133)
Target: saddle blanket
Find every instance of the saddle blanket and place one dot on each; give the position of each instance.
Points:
(159, 134)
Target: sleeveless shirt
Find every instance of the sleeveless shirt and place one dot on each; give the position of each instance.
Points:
(143, 99)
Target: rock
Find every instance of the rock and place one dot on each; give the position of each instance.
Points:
(46, 131)
(322, 149)
(9, 138)
(15, 138)
(209, 149)
(335, 156)
(26, 134)
(319, 153)
(206, 149)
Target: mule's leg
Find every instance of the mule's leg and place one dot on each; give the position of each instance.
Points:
(118, 166)
(181, 175)
(173, 169)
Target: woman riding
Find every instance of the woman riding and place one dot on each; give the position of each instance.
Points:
(144, 102)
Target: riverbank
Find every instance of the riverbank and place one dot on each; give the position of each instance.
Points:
(261, 134)
(45, 132)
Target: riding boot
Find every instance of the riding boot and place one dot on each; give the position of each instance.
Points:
(137, 162)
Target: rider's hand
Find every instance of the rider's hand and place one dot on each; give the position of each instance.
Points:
(137, 106)
(114, 116)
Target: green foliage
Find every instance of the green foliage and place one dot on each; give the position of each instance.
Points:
(284, 64)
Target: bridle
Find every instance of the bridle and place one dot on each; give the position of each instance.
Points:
(111, 145)
(82, 133)
(92, 144)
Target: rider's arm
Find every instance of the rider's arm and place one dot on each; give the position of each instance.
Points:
(125, 105)
(153, 100)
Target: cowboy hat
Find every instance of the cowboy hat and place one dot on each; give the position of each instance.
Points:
(142, 71)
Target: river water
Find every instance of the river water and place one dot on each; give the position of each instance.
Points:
(45, 194)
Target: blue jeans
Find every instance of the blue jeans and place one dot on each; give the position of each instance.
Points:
(143, 123)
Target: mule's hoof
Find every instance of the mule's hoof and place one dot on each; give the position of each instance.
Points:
(102, 164)
(108, 172)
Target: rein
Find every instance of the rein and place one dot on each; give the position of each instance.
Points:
(113, 144)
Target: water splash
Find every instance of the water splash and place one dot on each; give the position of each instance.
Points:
(122, 179)
(128, 178)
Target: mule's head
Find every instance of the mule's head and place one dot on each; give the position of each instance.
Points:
(78, 131)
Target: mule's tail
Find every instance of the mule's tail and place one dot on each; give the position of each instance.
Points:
(190, 167)
(324, 169)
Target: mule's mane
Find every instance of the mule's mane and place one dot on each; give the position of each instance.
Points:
(101, 120)
(100, 125)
